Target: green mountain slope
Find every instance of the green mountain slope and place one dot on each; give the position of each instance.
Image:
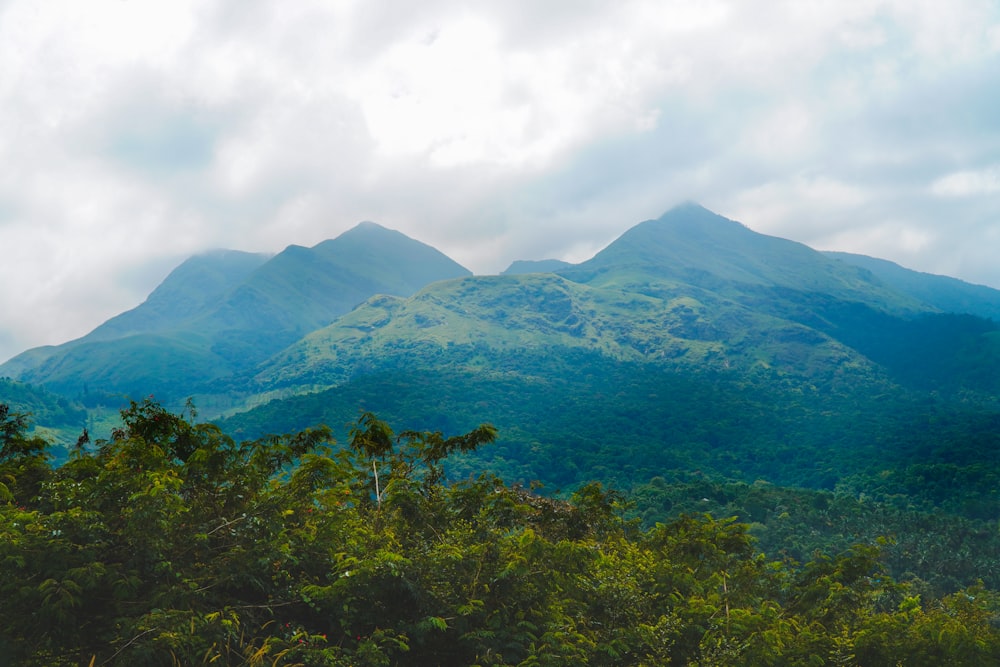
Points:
(691, 341)
(221, 313)
(949, 295)
(475, 322)
(303, 289)
(691, 246)
(195, 285)
(689, 291)
(904, 321)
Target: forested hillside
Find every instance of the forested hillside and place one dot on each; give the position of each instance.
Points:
(171, 543)
(55, 416)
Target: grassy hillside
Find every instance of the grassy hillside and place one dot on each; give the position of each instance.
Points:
(477, 322)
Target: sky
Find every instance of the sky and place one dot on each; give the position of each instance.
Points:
(137, 133)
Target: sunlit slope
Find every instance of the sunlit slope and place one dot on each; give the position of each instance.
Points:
(476, 322)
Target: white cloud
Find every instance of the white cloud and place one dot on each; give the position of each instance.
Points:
(898, 235)
(804, 208)
(968, 183)
(141, 132)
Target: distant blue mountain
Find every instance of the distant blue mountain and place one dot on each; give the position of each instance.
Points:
(949, 295)
(224, 311)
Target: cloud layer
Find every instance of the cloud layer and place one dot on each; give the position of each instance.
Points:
(136, 134)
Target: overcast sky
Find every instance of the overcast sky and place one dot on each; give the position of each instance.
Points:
(136, 133)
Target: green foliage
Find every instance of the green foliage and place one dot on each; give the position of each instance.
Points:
(46, 415)
(51, 409)
(569, 417)
(170, 543)
(24, 460)
(938, 552)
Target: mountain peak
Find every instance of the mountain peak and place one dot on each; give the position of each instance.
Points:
(693, 216)
(693, 245)
(368, 225)
(689, 207)
(691, 237)
(368, 236)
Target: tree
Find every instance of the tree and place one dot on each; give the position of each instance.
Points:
(173, 544)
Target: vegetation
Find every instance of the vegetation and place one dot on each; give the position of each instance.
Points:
(806, 470)
(171, 543)
(44, 406)
(572, 417)
(54, 417)
(938, 552)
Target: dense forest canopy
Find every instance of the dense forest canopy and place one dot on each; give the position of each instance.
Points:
(171, 543)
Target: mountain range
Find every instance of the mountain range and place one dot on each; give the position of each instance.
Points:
(219, 313)
(689, 342)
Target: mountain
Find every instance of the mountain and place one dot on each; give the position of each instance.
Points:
(302, 289)
(221, 312)
(124, 344)
(186, 291)
(691, 289)
(827, 404)
(196, 284)
(949, 295)
(478, 321)
(690, 342)
(923, 330)
(691, 246)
